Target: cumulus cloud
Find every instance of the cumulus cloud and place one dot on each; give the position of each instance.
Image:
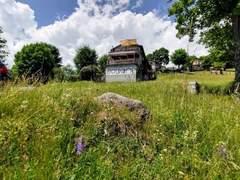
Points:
(99, 25)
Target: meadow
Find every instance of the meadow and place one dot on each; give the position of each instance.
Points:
(187, 137)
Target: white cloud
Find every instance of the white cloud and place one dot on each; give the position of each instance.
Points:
(100, 26)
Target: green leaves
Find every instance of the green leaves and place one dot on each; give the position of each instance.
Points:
(159, 56)
(85, 56)
(236, 11)
(179, 57)
(37, 59)
(103, 62)
(193, 15)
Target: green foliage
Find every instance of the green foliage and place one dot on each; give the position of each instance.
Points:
(85, 56)
(206, 62)
(103, 62)
(236, 10)
(58, 74)
(197, 14)
(190, 60)
(65, 73)
(3, 42)
(150, 57)
(37, 60)
(90, 73)
(38, 129)
(160, 56)
(220, 40)
(179, 57)
(218, 65)
(217, 20)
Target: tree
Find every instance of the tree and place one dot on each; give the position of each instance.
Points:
(85, 56)
(193, 16)
(65, 73)
(160, 56)
(90, 73)
(69, 73)
(103, 62)
(150, 57)
(3, 42)
(206, 62)
(179, 57)
(220, 39)
(37, 60)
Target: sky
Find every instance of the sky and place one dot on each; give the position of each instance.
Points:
(100, 24)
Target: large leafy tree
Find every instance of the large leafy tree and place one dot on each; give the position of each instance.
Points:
(160, 56)
(179, 57)
(37, 59)
(3, 42)
(205, 15)
(85, 56)
(219, 38)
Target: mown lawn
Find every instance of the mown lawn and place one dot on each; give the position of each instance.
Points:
(188, 136)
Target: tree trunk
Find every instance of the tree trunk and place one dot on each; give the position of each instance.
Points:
(236, 31)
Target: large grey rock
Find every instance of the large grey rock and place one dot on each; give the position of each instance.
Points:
(193, 87)
(121, 101)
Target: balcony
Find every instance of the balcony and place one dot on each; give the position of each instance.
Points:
(122, 61)
(128, 57)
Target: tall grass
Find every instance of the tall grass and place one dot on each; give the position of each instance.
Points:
(188, 136)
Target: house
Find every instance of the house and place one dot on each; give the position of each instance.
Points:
(197, 65)
(127, 63)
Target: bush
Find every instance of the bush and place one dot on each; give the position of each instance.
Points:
(103, 62)
(85, 56)
(65, 73)
(37, 61)
(219, 65)
(90, 73)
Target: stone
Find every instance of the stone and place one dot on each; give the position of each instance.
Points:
(121, 101)
(193, 87)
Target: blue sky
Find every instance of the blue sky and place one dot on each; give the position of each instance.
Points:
(47, 11)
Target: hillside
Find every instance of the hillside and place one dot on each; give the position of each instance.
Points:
(188, 136)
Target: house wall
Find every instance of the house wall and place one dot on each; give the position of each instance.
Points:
(122, 73)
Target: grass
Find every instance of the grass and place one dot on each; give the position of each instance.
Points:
(188, 136)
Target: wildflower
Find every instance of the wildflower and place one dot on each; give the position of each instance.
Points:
(79, 146)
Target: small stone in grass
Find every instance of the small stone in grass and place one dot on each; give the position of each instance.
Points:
(193, 87)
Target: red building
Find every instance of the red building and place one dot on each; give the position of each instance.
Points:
(3, 72)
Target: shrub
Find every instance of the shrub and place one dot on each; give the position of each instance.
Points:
(85, 56)
(103, 62)
(90, 73)
(37, 60)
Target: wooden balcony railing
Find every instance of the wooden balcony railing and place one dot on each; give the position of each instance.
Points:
(122, 61)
